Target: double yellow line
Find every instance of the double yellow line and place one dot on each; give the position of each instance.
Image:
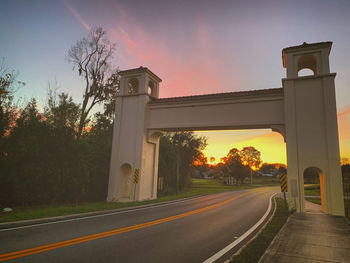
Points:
(35, 250)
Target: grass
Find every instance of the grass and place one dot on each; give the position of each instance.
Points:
(312, 189)
(198, 187)
(256, 248)
(314, 200)
(311, 186)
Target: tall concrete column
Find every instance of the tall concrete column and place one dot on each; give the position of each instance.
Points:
(133, 146)
(311, 125)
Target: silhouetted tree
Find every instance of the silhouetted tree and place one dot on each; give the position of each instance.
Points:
(267, 168)
(201, 161)
(183, 145)
(92, 57)
(311, 175)
(188, 147)
(8, 82)
(42, 159)
(167, 163)
(251, 157)
(8, 85)
(233, 166)
(61, 111)
(44, 162)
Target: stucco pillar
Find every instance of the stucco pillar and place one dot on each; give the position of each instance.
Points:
(311, 125)
(132, 146)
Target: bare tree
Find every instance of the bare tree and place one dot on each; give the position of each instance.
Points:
(8, 82)
(8, 86)
(92, 57)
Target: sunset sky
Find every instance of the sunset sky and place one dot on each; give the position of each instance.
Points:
(196, 47)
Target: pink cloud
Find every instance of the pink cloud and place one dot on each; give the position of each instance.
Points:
(77, 16)
(126, 38)
(182, 76)
(196, 74)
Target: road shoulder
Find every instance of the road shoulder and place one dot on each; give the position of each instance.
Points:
(258, 244)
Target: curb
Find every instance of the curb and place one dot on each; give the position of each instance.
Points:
(29, 222)
(257, 233)
(273, 240)
(313, 196)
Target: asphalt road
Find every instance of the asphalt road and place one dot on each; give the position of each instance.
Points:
(188, 231)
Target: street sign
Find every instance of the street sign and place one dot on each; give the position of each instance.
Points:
(284, 188)
(136, 176)
(283, 183)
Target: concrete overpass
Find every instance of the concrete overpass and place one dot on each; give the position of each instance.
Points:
(303, 111)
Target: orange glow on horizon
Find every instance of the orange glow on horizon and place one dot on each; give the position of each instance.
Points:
(270, 144)
(344, 111)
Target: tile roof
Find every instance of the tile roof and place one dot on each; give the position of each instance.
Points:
(274, 91)
(140, 70)
(320, 44)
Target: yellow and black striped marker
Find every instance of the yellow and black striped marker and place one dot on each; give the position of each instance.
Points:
(283, 182)
(136, 176)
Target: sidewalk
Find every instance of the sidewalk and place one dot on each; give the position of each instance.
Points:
(310, 237)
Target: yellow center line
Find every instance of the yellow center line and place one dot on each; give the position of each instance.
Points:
(39, 249)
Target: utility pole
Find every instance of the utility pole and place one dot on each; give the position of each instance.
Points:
(251, 176)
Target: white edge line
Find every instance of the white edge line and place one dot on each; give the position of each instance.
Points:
(242, 237)
(132, 209)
